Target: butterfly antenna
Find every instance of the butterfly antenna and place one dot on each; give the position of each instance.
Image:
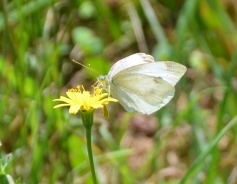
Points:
(86, 66)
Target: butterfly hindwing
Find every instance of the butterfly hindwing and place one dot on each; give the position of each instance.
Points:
(142, 92)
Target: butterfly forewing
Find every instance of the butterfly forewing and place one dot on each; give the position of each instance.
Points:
(169, 71)
(133, 60)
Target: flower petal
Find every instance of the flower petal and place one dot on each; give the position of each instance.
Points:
(61, 105)
(64, 99)
(74, 109)
(79, 99)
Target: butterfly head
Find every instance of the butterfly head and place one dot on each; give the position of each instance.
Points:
(104, 81)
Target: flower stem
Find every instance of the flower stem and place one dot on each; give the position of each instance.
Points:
(87, 120)
(89, 150)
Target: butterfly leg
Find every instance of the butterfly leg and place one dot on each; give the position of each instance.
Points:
(109, 90)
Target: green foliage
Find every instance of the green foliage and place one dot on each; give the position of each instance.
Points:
(191, 140)
(87, 41)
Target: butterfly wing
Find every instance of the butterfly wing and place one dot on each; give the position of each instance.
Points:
(141, 93)
(133, 60)
(147, 87)
(169, 71)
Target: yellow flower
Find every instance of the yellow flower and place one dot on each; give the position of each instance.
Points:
(81, 100)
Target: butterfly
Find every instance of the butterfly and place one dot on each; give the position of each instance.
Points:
(140, 84)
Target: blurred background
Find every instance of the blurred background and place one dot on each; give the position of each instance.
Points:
(190, 140)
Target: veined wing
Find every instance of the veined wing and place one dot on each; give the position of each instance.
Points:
(141, 93)
(133, 103)
(169, 71)
(133, 60)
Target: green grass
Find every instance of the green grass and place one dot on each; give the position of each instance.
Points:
(191, 140)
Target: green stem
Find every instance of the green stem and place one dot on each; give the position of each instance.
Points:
(200, 159)
(87, 120)
(89, 150)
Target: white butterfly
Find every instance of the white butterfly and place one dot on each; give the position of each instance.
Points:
(142, 85)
